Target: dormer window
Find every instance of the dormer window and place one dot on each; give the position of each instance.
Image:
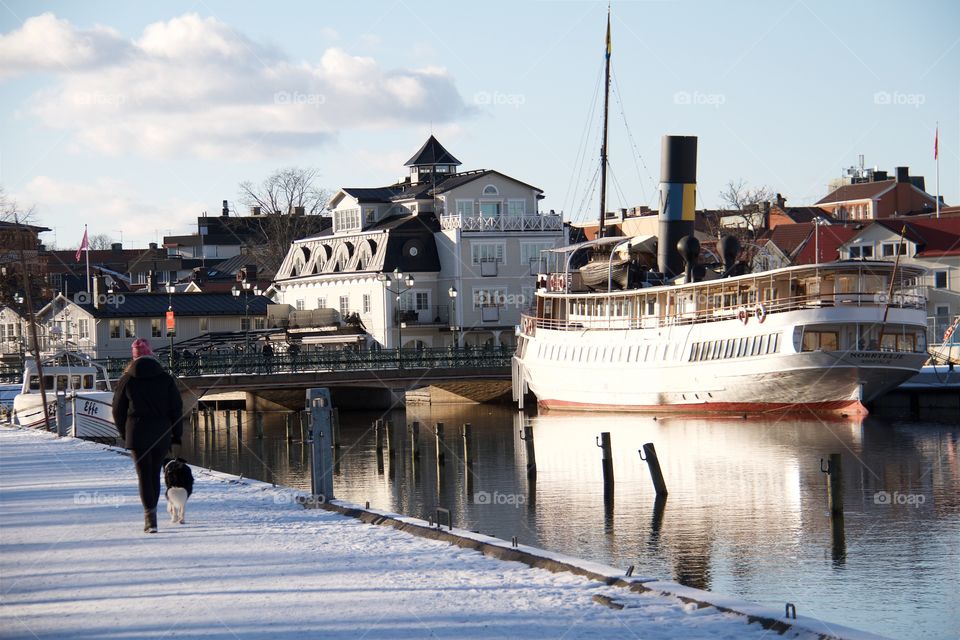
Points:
(490, 190)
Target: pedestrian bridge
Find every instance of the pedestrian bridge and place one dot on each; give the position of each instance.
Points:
(364, 379)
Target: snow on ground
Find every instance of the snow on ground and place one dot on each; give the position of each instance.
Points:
(74, 562)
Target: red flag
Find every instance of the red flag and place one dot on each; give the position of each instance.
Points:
(936, 144)
(83, 245)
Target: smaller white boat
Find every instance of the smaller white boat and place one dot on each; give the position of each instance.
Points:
(85, 389)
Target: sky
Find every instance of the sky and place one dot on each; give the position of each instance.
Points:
(135, 118)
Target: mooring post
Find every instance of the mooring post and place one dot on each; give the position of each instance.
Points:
(441, 456)
(391, 439)
(61, 416)
(321, 459)
(834, 473)
(289, 427)
(467, 432)
(531, 452)
(378, 432)
(336, 428)
(303, 424)
(195, 419)
(649, 455)
(239, 427)
(226, 420)
(258, 421)
(606, 462)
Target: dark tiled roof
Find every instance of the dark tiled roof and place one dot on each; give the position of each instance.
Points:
(831, 236)
(373, 194)
(860, 191)
(154, 305)
(431, 153)
(788, 237)
(805, 214)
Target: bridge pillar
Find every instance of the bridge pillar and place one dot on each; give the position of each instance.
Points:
(256, 402)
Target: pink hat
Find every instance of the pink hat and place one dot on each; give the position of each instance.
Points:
(141, 347)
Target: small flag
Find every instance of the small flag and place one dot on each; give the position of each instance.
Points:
(936, 144)
(84, 245)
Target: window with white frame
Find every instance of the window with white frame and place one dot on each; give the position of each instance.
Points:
(366, 303)
(259, 323)
(129, 328)
(244, 324)
(491, 190)
(489, 297)
(347, 220)
(465, 207)
(530, 251)
(487, 252)
(156, 328)
(204, 324)
(867, 251)
(299, 305)
(83, 326)
(344, 306)
(114, 328)
(415, 300)
(321, 303)
(489, 209)
(939, 279)
(888, 249)
(516, 207)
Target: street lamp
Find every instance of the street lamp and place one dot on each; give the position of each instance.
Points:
(401, 285)
(248, 288)
(170, 287)
(454, 329)
(18, 298)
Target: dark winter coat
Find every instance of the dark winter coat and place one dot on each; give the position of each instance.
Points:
(147, 407)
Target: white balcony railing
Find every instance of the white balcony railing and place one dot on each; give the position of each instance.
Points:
(534, 222)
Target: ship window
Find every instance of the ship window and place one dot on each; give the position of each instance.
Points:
(727, 348)
(88, 381)
(765, 344)
(48, 383)
(888, 342)
(63, 382)
(34, 383)
(75, 382)
(666, 350)
(774, 343)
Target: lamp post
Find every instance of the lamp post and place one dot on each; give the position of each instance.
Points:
(170, 329)
(454, 328)
(247, 288)
(401, 285)
(18, 298)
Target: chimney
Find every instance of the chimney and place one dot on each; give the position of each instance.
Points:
(99, 289)
(678, 184)
(251, 271)
(879, 176)
(226, 209)
(255, 211)
(299, 211)
(781, 201)
(151, 281)
(153, 246)
(903, 174)
(116, 247)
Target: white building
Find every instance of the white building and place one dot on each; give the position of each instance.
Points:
(470, 240)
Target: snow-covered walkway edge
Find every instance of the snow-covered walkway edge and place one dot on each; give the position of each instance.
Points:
(252, 563)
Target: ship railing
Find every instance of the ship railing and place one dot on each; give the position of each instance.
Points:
(743, 311)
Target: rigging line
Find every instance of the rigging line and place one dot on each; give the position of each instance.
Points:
(633, 144)
(580, 157)
(589, 192)
(616, 185)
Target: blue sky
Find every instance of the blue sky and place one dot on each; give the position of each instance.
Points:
(136, 117)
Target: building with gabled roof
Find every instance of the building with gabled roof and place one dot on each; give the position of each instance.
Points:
(470, 239)
(880, 197)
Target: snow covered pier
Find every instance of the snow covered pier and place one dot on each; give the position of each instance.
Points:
(251, 563)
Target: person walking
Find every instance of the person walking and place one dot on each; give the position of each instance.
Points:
(147, 410)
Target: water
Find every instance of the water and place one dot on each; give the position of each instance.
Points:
(747, 514)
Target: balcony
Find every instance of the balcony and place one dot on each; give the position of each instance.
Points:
(431, 316)
(477, 222)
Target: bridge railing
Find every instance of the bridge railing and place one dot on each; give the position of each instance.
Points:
(329, 361)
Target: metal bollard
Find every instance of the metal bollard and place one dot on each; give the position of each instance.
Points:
(649, 455)
(321, 460)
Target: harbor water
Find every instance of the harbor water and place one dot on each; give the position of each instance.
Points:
(747, 513)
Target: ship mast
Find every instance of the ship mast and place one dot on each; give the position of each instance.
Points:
(603, 147)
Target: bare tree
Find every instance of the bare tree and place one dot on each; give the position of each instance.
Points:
(738, 196)
(279, 198)
(100, 241)
(10, 213)
(286, 189)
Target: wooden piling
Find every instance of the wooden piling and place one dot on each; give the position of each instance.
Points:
(239, 427)
(467, 433)
(226, 420)
(391, 439)
(835, 499)
(649, 454)
(195, 420)
(289, 427)
(415, 440)
(258, 423)
(441, 445)
(531, 452)
(606, 462)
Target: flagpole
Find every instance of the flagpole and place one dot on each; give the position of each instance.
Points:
(89, 286)
(937, 153)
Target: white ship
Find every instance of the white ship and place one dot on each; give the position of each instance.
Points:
(84, 388)
(829, 337)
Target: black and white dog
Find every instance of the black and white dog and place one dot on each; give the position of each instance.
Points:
(179, 480)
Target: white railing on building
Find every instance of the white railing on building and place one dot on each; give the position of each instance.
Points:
(533, 222)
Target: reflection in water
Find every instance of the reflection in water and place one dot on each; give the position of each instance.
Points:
(747, 512)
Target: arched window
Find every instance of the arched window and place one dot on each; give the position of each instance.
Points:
(491, 190)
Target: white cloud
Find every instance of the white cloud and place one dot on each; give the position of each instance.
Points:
(108, 206)
(196, 87)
